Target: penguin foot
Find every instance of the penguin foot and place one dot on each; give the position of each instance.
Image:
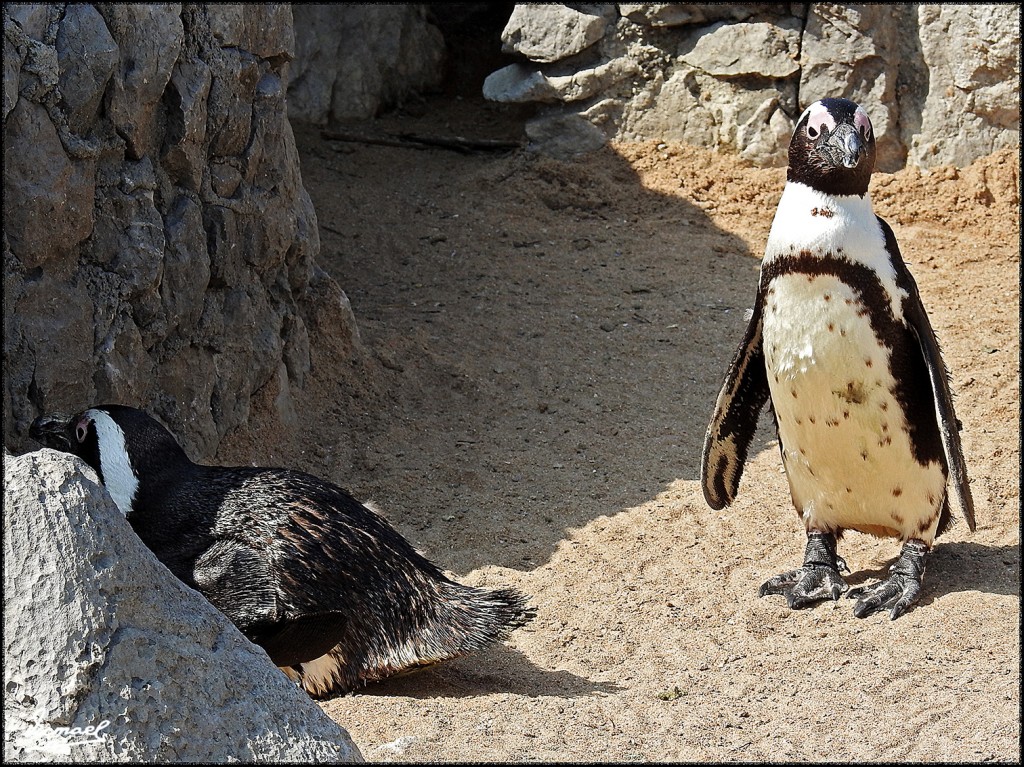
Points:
(818, 579)
(901, 590)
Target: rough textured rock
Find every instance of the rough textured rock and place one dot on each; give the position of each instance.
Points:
(677, 14)
(159, 248)
(97, 630)
(547, 32)
(522, 83)
(757, 49)
(972, 107)
(149, 39)
(86, 56)
(564, 135)
(939, 81)
(352, 61)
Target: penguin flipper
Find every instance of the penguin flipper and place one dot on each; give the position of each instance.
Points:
(949, 427)
(240, 582)
(237, 580)
(734, 420)
(299, 640)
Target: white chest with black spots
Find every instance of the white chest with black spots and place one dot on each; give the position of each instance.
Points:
(846, 448)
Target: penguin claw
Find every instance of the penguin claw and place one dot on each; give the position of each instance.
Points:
(806, 585)
(817, 579)
(900, 590)
(898, 593)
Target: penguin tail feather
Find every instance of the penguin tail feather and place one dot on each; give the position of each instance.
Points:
(478, 617)
(451, 620)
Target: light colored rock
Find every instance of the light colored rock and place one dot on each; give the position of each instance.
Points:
(586, 83)
(520, 83)
(679, 14)
(354, 60)
(546, 32)
(696, 108)
(972, 106)
(98, 631)
(663, 14)
(760, 49)
(940, 82)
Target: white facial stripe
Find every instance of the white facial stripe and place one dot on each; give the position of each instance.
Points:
(118, 476)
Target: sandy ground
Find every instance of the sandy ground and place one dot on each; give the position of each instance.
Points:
(541, 347)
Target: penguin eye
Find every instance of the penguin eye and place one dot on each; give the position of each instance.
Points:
(82, 430)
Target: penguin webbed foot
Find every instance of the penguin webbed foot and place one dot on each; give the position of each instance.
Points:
(816, 580)
(900, 590)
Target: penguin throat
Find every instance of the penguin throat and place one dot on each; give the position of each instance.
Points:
(115, 467)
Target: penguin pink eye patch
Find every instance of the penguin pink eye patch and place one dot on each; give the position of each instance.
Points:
(860, 119)
(819, 119)
(82, 429)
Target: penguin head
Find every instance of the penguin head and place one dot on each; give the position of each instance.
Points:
(120, 443)
(833, 148)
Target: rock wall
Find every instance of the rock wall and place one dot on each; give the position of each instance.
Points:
(97, 631)
(353, 60)
(941, 82)
(159, 247)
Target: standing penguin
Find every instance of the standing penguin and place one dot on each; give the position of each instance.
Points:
(840, 342)
(328, 588)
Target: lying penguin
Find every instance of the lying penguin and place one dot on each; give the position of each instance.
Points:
(328, 588)
(840, 342)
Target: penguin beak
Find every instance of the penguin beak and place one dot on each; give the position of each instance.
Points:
(845, 146)
(52, 431)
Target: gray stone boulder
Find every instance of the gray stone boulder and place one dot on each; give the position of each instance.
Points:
(758, 49)
(109, 657)
(521, 83)
(354, 60)
(972, 107)
(941, 82)
(547, 32)
(159, 247)
(86, 57)
(679, 14)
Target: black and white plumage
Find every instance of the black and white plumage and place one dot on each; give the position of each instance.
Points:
(840, 343)
(327, 587)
